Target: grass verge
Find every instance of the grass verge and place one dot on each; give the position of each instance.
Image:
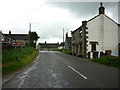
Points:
(108, 60)
(63, 51)
(13, 60)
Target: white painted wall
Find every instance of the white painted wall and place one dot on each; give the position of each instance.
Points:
(95, 32)
(3, 38)
(119, 33)
(104, 31)
(110, 35)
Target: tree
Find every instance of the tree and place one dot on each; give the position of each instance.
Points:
(33, 38)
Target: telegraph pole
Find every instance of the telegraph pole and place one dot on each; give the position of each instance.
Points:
(30, 28)
(30, 42)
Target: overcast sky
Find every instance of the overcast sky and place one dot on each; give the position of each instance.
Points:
(49, 18)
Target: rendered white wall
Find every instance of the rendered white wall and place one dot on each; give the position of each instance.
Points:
(110, 35)
(104, 31)
(119, 34)
(95, 32)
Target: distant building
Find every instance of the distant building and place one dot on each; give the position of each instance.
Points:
(17, 37)
(96, 37)
(61, 45)
(0, 36)
(68, 42)
(47, 46)
(6, 40)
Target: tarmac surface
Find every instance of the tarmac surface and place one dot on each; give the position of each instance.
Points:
(53, 69)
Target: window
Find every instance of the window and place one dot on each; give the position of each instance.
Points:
(80, 33)
(93, 47)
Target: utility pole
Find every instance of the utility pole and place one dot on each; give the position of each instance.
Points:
(30, 41)
(63, 38)
(30, 28)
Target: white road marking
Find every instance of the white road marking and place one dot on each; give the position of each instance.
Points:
(77, 72)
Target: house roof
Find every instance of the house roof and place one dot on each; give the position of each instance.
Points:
(111, 19)
(93, 18)
(76, 29)
(48, 43)
(19, 36)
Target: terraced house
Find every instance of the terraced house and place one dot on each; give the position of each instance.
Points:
(68, 42)
(47, 46)
(96, 37)
(7, 39)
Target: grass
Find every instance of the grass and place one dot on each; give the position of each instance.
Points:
(108, 60)
(13, 60)
(63, 51)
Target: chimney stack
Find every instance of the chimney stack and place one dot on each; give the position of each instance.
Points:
(84, 22)
(10, 32)
(101, 9)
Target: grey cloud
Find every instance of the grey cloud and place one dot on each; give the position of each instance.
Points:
(79, 8)
(87, 9)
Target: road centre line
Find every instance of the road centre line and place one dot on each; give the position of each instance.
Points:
(77, 72)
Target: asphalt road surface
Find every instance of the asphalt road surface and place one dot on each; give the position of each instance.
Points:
(57, 70)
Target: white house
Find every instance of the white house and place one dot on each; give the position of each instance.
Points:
(119, 37)
(96, 36)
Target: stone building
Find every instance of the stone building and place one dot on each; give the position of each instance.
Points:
(68, 42)
(79, 40)
(17, 37)
(61, 45)
(96, 36)
(47, 46)
(6, 39)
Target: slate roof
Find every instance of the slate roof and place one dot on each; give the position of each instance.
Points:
(18, 36)
(49, 45)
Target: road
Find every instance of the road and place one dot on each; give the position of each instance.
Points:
(57, 70)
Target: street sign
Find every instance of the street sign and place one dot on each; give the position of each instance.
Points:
(18, 43)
